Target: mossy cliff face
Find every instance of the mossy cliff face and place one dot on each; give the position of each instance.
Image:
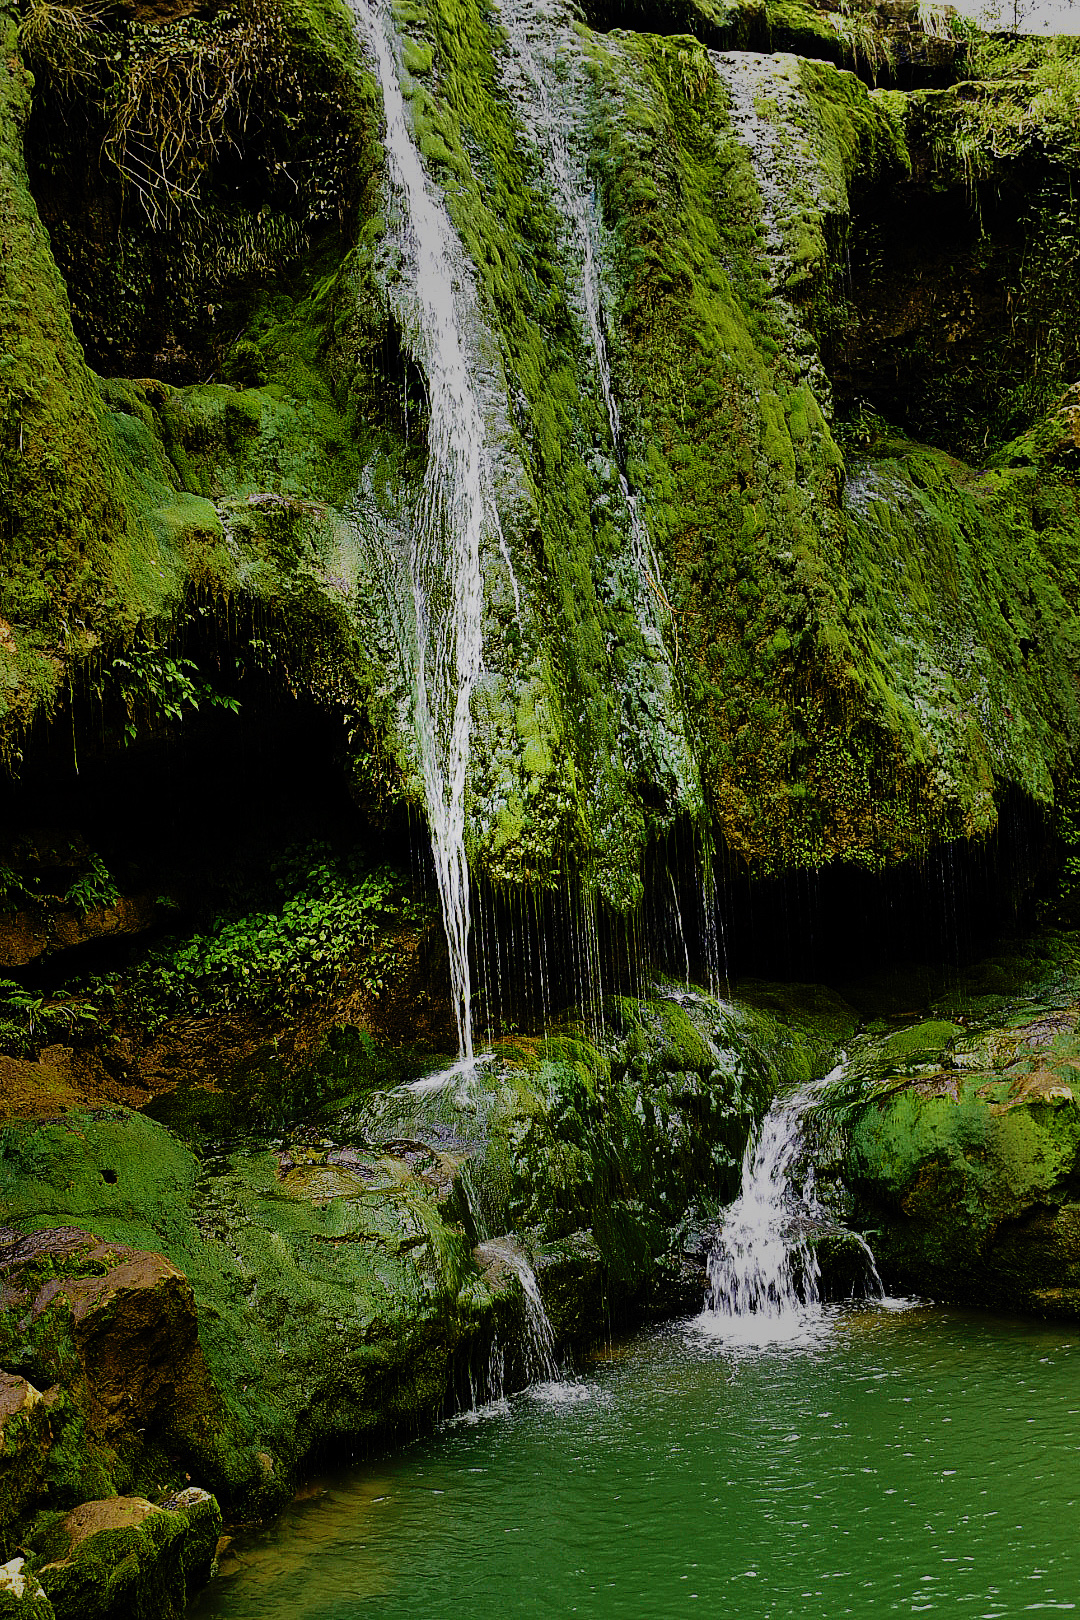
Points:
(829, 645)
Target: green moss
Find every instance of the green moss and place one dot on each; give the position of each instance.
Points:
(139, 1568)
(76, 549)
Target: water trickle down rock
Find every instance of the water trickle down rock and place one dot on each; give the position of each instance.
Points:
(543, 70)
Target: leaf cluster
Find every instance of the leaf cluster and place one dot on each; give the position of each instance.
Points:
(334, 918)
(158, 689)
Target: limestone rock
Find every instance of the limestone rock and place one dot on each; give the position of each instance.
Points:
(125, 1558)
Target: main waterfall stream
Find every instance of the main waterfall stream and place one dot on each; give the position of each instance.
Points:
(437, 617)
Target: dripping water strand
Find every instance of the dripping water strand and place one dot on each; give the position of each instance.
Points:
(526, 21)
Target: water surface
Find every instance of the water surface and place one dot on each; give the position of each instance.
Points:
(874, 1461)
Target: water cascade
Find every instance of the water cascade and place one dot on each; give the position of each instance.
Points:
(437, 618)
(538, 1339)
(763, 1269)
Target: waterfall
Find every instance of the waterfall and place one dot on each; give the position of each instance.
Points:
(438, 621)
(529, 24)
(538, 1342)
(763, 1271)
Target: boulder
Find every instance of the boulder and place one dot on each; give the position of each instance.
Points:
(966, 1172)
(117, 1328)
(25, 1437)
(125, 1559)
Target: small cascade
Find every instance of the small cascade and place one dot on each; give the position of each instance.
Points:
(538, 1346)
(438, 609)
(763, 1269)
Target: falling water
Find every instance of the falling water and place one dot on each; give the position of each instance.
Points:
(763, 1271)
(538, 1344)
(438, 626)
(531, 25)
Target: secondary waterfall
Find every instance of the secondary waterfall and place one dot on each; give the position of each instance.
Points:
(530, 24)
(763, 1266)
(538, 1339)
(438, 626)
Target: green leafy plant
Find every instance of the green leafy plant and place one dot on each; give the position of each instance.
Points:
(30, 1019)
(157, 688)
(93, 888)
(333, 917)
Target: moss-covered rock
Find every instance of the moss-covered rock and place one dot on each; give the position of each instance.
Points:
(125, 1557)
(25, 1438)
(333, 1273)
(21, 1594)
(705, 601)
(966, 1161)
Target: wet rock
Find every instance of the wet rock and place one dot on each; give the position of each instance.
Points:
(125, 1559)
(25, 1437)
(845, 1268)
(21, 1594)
(966, 1176)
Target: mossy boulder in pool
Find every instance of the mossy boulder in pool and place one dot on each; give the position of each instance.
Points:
(970, 1169)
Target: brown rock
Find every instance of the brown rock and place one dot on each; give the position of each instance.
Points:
(132, 1319)
(25, 1437)
(126, 1559)
(26, 935)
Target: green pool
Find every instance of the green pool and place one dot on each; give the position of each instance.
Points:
(880, 1461)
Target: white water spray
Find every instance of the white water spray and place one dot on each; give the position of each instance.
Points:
(763, 1272)
(438, 624)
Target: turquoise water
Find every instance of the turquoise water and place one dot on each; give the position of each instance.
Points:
(886, 1461)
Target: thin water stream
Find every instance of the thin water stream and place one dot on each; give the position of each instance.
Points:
(436, 583)
(892, 1461)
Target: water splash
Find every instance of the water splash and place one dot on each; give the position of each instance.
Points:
(764, 1276)
(438, 609)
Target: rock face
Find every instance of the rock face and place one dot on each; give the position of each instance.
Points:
(967, 1170)
(730, 579)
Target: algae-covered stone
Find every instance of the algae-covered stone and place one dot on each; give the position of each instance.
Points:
(21, 1593)
(116, 1327)
(124, 1557)
(323, 1309)
(967, 1174)
(25, 1437)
